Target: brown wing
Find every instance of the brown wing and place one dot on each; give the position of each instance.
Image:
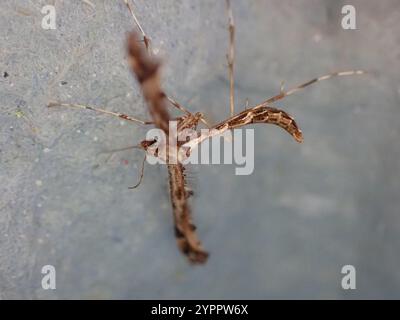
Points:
(262, 114)
(186, 236)
(147, 71)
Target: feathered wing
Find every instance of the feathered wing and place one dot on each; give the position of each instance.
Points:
(147, 72)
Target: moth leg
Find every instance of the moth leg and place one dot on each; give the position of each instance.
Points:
(89, 3)
(111, 113)
(284, 94)
(202, 119)
(146, 39)
(141, 174)
(178, 105)
(231, 57)
(121, 149)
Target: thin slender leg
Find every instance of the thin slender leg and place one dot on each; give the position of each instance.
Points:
(111, 113)
(89, 3)
(208, 125)
(141, 174)
(178, 105)
(121, 149)
(284, 94)
(181, 108)
(146, 39)
(231, 57)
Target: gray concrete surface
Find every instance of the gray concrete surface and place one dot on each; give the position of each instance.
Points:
(283, 232)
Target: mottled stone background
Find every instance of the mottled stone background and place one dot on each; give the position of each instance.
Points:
(283, 232)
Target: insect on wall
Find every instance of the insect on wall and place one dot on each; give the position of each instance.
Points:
(166, 145)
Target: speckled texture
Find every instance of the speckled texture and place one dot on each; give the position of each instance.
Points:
(283, 232)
